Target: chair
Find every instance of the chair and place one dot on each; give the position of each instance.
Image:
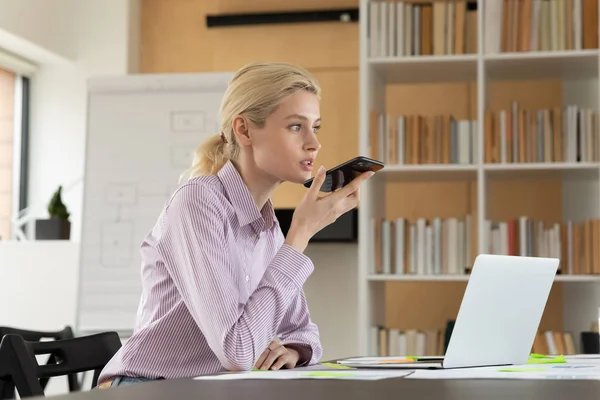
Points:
(37, 336)
(20, 368)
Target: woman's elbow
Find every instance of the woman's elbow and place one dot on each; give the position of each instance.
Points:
(237, 365)
(237, 359)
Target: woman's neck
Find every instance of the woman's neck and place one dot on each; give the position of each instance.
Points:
(261, 187)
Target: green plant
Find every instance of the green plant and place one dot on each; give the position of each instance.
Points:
(56, 207)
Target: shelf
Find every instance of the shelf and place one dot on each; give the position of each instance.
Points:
(416, 69)
(465, 278)
(542, 170)
(429, 172)
(542, 65)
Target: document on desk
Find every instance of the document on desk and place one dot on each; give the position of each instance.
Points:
(309, 374)
(388, 362)
(528, 371)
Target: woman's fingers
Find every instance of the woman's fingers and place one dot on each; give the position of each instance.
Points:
(262, 358)
(281, 361)
(273, 355)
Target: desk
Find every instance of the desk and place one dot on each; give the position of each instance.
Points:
(309, 389)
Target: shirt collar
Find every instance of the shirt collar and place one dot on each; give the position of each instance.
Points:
(242, 201)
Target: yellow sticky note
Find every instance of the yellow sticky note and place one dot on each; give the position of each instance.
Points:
(542, 359)
(517, 369)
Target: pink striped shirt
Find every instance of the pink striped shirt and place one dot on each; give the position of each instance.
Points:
(219, 284)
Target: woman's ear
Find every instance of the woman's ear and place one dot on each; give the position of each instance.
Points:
(240, 130)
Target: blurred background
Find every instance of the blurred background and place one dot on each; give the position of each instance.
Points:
(485, 113)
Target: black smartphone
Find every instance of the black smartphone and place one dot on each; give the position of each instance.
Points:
(340, 176)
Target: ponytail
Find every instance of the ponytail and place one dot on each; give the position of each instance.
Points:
(255, 92)
(209, 158)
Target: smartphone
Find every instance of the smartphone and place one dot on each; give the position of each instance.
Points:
(340, 176)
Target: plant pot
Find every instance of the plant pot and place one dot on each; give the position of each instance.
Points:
(52, 229)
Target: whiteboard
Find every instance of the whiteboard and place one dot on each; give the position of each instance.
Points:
(141, 132)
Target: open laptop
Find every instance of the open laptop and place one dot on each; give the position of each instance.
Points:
(498, 318)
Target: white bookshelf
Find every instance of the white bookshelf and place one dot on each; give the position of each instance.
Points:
(578, 71)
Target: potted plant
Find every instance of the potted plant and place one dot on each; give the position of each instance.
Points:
(58, 226)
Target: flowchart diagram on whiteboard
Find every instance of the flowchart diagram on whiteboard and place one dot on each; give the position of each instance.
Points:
(141, 135)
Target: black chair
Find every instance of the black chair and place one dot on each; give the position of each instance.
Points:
(37, 336)
(19, 367)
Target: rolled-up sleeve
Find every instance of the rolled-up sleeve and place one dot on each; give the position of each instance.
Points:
(191, 243)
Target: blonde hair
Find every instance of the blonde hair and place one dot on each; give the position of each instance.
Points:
(254, 92)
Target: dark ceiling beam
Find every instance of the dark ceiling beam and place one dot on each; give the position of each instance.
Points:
(288, 17)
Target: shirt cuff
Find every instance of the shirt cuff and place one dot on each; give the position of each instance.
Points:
(294, 265)
(304, 353)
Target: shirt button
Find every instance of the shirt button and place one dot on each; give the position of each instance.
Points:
(247, 278)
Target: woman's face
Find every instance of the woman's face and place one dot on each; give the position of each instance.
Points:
(286, 146)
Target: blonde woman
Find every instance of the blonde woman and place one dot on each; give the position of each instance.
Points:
(222, 286)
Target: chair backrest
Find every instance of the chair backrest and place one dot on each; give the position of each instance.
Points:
(85, 353)
(36, 336)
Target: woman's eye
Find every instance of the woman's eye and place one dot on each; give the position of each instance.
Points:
(296, 127)
(316, 128)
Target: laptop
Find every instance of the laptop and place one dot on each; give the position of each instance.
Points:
(498, 317)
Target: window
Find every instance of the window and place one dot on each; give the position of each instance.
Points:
(14, 133)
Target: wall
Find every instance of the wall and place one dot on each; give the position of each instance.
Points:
(71, 41)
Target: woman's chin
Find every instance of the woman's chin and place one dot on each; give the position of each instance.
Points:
(299, 179)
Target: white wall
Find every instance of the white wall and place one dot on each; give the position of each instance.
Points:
(331, 293)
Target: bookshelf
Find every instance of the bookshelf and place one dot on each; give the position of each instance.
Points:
(465, 123)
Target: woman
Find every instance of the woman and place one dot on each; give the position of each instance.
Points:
(222, 287)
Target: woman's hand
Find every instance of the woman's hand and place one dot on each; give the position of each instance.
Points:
(277, 356)
(315, 213)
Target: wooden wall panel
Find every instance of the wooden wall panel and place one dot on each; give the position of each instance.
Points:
(429, 99)
(530, 94)
(539, 199)
(241, 6)
(319, 47)
(175, 38)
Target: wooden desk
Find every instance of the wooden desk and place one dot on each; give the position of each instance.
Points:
(386, 389)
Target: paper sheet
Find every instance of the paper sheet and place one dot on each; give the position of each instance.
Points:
(309, 374)
(392, 362)
(528, 371)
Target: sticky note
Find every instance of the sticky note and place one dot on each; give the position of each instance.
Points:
(517, 369)
(334, 374)
(336, 366)
(539, 359)
(536, 355)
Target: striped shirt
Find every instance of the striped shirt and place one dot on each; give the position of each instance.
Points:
(218, 285)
